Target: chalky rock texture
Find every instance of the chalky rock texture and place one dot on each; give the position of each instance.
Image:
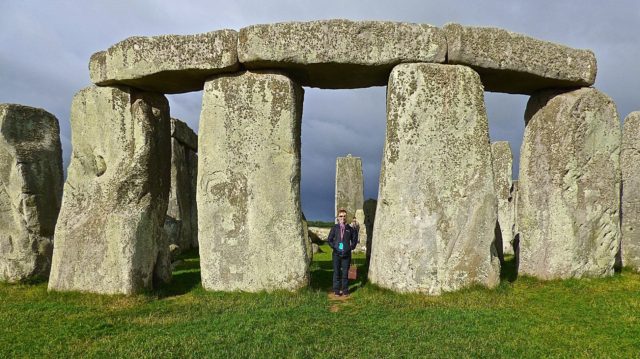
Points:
(515, 63)
(569, 185)
(339, 53)
(166, 63)
(350, 192)
(250, 222)
(109, 235)
(502, 173)
(180, 225)
(436, 215)
(630, 163)
(30, 191)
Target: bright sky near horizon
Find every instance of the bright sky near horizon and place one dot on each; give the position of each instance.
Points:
(45, 46)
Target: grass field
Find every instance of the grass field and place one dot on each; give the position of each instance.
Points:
(523, 318)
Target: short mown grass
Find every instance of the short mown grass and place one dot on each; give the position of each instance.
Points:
(522, 317)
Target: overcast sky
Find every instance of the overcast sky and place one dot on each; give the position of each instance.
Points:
(45, 46)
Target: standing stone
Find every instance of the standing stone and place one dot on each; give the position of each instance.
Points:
(179, 223)
(630, 163)
(502, 170)
(250, 221)
(569, 188)
(109, 236)
(434, 228)
(30, 191)
(350, 192)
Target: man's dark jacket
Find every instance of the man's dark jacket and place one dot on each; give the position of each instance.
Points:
(349, 240)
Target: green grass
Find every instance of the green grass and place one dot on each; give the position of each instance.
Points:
(522, 317)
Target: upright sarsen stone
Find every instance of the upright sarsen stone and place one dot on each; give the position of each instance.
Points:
(180, 224)
(630, 164)
(109, 236)
(30, 191)
(250, 221)
(434, 226)
(569, 185)
(502, 160)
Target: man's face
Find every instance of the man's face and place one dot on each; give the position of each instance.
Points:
(341, 217)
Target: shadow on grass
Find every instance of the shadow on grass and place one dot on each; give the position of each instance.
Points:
(322, 272)
(509, 269)
(185, 278)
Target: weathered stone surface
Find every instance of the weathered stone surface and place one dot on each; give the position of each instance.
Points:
(369, 209)
(502, 173)
(30, 191)
(320, 233)
(339, 53)
(183, 133)
(181, 228)
(630, 164)
(350, 192)
(569, 185)
(166, 63)
(349, 184)
(193, 176)
(250, 223)
(434, 227)
(516, 63)
(109, 235)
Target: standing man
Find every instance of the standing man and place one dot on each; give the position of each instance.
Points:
(342, 239)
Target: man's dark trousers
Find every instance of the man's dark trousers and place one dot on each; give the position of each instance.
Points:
(340, 272)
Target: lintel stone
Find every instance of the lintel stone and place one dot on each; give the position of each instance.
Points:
(339, 53)
(167, 63)
(515, 63)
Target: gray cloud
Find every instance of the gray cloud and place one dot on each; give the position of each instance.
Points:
(46, 45)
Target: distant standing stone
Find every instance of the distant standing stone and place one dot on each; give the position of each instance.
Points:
(569, 185)
(109, 236)
(30, 191)
(350, 192)
(249, 217)
(434, 226)
(630, 163)
(502, 171)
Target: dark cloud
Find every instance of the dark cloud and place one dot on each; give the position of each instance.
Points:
(46, 46)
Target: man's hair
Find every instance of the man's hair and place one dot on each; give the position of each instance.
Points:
(342, 210)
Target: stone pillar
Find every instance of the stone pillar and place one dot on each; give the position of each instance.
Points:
(109, 236)
(630, 163)
(30, 191)
(569, 185)
(350, 193)
(180, 225)
(434, 227)
(502, 160)
(250, 221)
